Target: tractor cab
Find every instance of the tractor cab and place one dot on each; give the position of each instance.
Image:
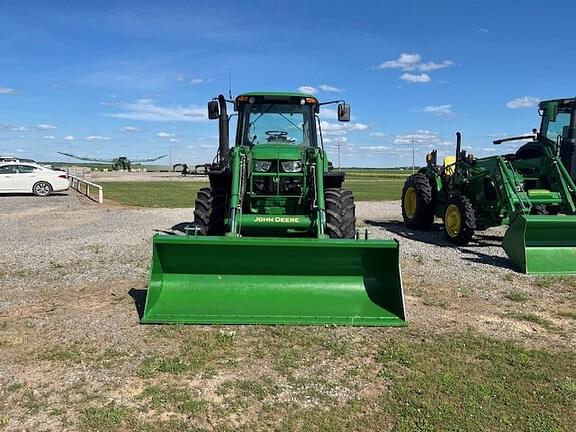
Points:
(558, 129)
(276, 119)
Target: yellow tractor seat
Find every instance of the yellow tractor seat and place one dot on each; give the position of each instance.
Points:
(449, 165)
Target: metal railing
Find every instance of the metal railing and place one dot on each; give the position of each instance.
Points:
(87, 188)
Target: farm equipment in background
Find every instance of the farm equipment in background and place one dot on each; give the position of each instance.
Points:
(530, 190)
(274, 238)
(199, 169)
(120, 163)
(182, 168)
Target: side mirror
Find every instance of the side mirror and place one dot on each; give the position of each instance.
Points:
(213, 110)
(343, 112)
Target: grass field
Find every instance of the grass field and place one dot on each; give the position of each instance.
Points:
(329, 379)
(377, 187)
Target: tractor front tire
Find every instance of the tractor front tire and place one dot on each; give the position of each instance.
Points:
(209, 211)
(340, 213)
(417, 202)
(459, 220)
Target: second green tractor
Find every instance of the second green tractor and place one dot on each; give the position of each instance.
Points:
(531, 190)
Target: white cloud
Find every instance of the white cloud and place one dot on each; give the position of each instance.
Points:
(129, 129)
(377, 134)
(340, 128)
(18, 129)
(164, 134)
(196, 81)
(412, 62)
(329, 88)
(406, 62)
(174, 140)
(421, 136)
(422, 78)
(7, 90)
(147, 110)
(44, 126)
(308, 89)
(49, 137)
(439, 110)
(69, 138)
(523, 102)
(326, 88)
(430, 66)
(97, 138)
(375, 148)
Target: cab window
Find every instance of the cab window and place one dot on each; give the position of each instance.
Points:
(554, 129)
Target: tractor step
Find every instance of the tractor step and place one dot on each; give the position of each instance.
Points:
(228, 280)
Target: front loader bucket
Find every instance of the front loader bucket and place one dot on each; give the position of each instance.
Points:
(226, 280)
(542, 244)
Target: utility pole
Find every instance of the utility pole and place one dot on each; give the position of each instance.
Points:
(338, 145)
(413, 151)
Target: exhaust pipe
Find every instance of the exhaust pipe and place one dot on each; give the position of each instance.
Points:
(458, 145)
(223, 132)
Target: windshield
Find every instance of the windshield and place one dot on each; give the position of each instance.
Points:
(278, 123)
(555, 128)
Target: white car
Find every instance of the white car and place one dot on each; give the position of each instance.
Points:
(20, 177)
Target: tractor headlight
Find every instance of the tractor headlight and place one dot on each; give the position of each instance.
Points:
(292, 166)
(262, 166)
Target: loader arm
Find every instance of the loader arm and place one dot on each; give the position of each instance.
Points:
(567, 186)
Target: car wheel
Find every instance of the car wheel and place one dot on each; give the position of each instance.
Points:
(42, 189)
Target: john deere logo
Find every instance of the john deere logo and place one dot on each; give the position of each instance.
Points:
(277, 219)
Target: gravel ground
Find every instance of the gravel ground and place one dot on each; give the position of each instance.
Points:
(63, 243)
(71, 270)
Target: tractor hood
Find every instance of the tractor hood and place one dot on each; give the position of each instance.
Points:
(277, 152)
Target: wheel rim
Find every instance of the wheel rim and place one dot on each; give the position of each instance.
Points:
(453, 220)
(42, 189)
(410, 202)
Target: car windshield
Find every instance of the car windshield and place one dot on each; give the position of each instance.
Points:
(277, 123)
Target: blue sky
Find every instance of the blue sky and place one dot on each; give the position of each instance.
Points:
(113, 78)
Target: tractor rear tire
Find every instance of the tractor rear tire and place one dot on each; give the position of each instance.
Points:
(417, 202)
(340, 213)
(209, 211)
(459, 220)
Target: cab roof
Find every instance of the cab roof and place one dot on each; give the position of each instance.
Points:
(280, 96)
(564, 101)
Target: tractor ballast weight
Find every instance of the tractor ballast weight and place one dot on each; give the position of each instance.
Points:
(274, 238)
(530, 190)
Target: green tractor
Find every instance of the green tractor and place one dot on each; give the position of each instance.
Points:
(274, 239)
(530, 190)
